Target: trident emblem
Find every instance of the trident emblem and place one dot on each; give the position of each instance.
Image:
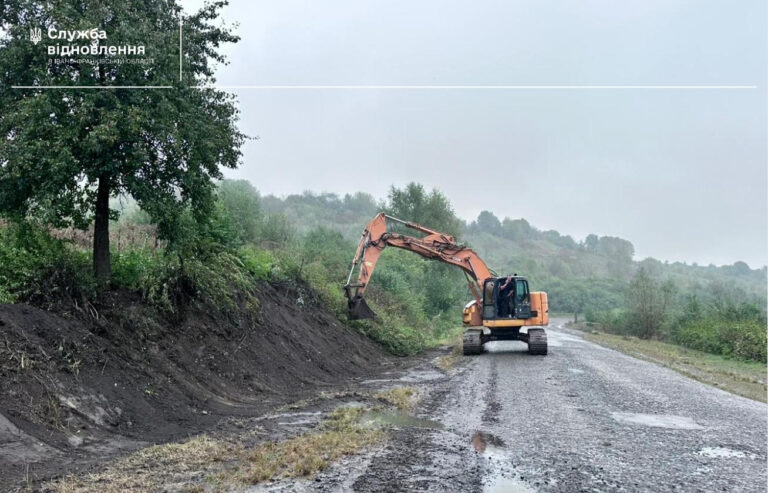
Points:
(35, 34)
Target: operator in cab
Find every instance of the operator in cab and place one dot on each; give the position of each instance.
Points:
(506, 297)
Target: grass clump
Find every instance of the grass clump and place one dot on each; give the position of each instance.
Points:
(449, 360)
(403, 398)
(338, 436)
(744, 378)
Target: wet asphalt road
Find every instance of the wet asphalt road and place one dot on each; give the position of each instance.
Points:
(583, 418)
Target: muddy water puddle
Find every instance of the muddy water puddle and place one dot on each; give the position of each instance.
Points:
(658, 421)
(483, 442)
(413, 376)
(506, 485)
(400, 419)
(499, 477)
(724, 453)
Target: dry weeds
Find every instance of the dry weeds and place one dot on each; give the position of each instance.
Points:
(154, 468)
(205, 463)
(403, 398)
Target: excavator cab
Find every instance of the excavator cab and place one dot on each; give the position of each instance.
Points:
(504, 300)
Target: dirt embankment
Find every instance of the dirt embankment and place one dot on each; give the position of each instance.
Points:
(84, 384)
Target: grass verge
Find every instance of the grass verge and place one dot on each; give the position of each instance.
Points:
(212, 464)
(153, 468)
(744, 378)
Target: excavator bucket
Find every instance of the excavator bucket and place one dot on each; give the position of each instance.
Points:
(359, 309)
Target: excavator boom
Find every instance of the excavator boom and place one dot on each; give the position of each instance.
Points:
(435, 245)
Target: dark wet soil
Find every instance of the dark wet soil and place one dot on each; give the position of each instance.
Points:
(78, 386)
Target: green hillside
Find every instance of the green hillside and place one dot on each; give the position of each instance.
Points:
(549, 259)
(713, 308)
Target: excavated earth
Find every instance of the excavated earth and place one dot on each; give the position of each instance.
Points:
(80, 385)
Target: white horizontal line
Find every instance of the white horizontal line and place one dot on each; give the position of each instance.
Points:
(416, 87)
(504, 87)
(92, 87)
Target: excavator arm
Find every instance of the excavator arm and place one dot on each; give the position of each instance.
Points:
(435, 245)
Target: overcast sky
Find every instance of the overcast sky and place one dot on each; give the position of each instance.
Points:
(680, 173)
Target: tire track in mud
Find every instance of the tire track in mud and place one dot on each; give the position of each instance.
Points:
(492, 404)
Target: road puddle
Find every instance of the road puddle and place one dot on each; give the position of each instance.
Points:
(559, 339)
(400, 419)
(413, 376)
(481, 442)
(506, 485)
(417, 376)
(499, 477)
(724, 453)
(658, 421)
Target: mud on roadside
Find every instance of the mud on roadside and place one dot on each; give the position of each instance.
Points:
(80, 387)
(283, 449)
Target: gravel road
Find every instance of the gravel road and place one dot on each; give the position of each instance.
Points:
(583, 418)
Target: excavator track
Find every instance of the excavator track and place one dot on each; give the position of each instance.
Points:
(537, 341)
(473, 342)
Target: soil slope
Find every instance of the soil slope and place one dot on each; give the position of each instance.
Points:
(86, 383)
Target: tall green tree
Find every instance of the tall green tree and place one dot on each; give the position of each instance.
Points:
(242, 206)
(64, 152)
(430, 209)
(648, 304)
(487, 222)
(444, 285)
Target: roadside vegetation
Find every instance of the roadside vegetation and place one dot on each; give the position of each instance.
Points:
(448, 361)
(723, 320)
(150, 469)
(744, 378)
(219, 262)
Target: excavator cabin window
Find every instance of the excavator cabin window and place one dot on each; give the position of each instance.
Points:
(522, 299)
(511, 302)
(521, 291)
(489, 299)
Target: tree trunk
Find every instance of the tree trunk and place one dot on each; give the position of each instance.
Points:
(102, 268)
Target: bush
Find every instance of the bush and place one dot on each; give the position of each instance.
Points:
(258, 263)
(41, 269)
(131, 268)
(744, 339)
(240, 210)
(394, 335)
(170, 282)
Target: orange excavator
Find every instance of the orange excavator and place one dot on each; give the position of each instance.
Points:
(502, 305)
